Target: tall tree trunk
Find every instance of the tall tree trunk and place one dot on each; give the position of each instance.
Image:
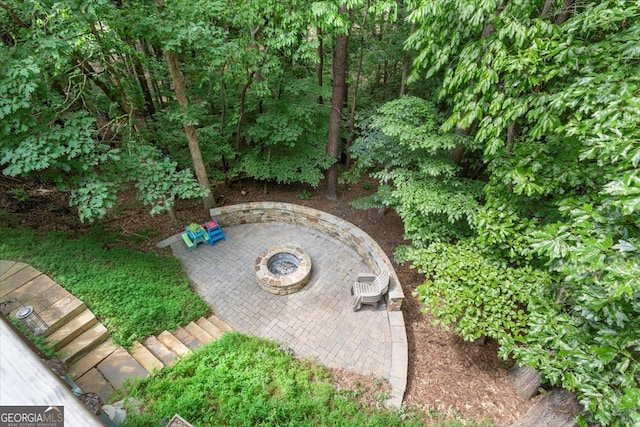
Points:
(91, 74)
(385, 75)
(339, 68)
(320, 66)
(251, 75)
(406, 67)
(458, 152)
(223, 102)
(14, 15)
(194, 145)
(114, 76)
(243, 98)
(545, 9)
(224, 162)
(142, 79)
(356, 84)
(172, 215)
(146, 49)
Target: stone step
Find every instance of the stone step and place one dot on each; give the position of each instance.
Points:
(173, 344)
(119, 366)
(40, 302)
(186, 338)
(76, 326)
(83, 344)
(7, 268)
(159, 350)
(91, 359)
(145, 358)
(58, 314)
(200, 334)
(30, 290)
(18, 275)
(94, 382)
(210, 328)
(219, 323)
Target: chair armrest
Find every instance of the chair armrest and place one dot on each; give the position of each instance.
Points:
(366, 277)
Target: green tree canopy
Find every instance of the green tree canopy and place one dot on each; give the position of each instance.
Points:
(550, 90)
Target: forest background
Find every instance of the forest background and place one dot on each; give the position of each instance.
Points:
(504, 133)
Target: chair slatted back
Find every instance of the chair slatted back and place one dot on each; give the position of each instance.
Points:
(381, 282)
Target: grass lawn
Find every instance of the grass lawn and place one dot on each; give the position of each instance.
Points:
(134, 295)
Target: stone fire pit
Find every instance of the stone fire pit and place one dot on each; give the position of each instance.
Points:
(283, 269)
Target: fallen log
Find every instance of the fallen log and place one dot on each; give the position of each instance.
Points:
(558, 408)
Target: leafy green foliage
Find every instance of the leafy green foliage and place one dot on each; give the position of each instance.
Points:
(287, 139)
(135, 295)
(49, 108)
(434, 211)
(279, 165)
(401, 139)
(94, 197)
(82, 85)
(553, 99)
(158, 180)
(304, 194)
(20, 195)
(508, 228)
(597, 314)
(475, 292)
(246, 381)
(49, 136)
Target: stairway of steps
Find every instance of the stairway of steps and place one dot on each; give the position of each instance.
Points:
(106, 365)
(94, 362)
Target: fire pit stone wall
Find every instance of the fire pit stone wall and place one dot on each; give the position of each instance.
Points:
(283, 284)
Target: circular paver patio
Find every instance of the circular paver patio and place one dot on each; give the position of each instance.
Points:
(317, 322)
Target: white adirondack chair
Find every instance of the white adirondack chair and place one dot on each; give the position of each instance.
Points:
(370, 288)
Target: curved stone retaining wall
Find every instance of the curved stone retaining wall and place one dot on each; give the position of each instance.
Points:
(331, 225)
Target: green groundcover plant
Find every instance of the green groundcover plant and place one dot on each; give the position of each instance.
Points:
(248, 381)
(134, 295)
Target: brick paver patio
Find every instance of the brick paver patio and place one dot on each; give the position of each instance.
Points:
(317, 322)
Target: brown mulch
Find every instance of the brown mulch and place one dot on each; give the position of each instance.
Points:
(447, 375)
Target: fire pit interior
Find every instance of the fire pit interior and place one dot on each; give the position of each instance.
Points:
(282, 270)
(283, 263)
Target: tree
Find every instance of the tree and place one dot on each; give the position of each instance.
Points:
(50, 109)
(280, 126)
(43, 128)
(550, 91)
(194, 145)
(286, 141)
(340, 65)
(401, 143)
(336, 18)
(101, 76)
